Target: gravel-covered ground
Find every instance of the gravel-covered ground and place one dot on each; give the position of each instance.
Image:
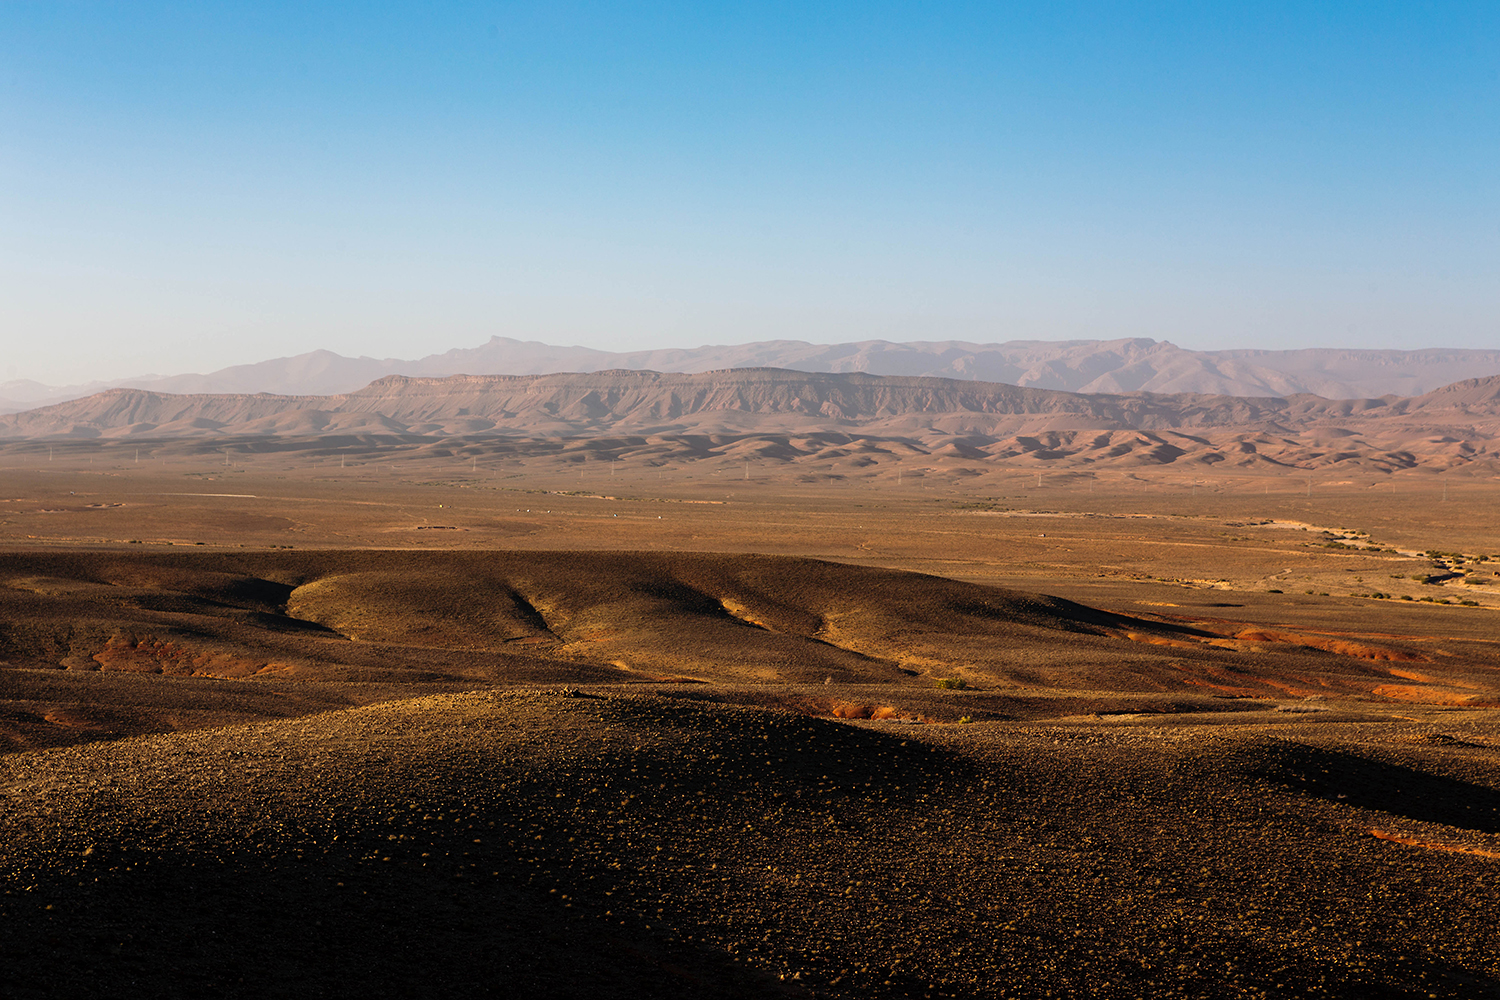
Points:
(595, 842)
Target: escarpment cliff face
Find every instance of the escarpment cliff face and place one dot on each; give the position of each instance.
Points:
(1457, 424)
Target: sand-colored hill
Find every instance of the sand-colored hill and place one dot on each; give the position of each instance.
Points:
(299, 631)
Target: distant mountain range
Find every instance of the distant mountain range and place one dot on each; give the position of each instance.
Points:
(1090, 366)
(773, 413)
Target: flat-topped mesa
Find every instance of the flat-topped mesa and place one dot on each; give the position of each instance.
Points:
(935, 412)
(589, 402)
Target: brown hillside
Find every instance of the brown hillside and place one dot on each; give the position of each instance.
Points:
(119, 643)
(1455, 426)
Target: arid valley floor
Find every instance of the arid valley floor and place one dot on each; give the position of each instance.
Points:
(347, 720)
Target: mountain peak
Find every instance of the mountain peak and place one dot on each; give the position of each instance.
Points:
(1125, 365)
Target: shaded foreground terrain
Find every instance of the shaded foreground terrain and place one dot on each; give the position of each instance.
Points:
(572, 843)
(339, 772)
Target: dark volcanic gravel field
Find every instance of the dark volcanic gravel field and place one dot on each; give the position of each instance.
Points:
(589, 843)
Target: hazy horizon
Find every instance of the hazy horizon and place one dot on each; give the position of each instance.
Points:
(187, 189)
(561, 347)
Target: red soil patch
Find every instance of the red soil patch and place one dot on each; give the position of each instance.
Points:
(1152, 640)
(859, 710)
(1330, 645)
(1433, 845)
(836, 709)
(150, 655)
(1308, 690)
(833, 708)
(1430, 696)
(1327, 644)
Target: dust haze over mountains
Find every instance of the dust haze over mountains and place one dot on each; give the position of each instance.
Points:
(795, 417)
(1110, 366)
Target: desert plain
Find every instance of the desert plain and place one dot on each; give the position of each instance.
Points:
(566, 717)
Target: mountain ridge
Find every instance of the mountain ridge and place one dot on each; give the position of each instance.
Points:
(1456, 425)
(1114, 366)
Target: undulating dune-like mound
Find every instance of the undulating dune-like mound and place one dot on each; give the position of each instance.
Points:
(158, 641)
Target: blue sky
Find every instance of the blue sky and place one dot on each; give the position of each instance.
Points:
(187, 186)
